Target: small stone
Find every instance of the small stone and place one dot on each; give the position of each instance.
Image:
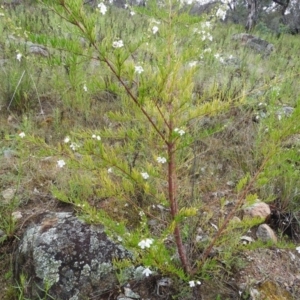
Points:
(265, 233)
(16, 215)
(246, 239)
(153, 222)
(2, 233)
(130, 293)
(285, 110)
(8, 153)
(230, 183)
(38, 50)
(8, 194)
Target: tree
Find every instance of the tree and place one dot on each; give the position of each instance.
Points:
(252, 15)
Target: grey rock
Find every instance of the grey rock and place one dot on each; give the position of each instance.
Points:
(2, 233)
(72, 258)
(292, 141)
(130, 293)
(9, 153)
(285, 111)
(254, 43)
(265, 233)
(38, 50)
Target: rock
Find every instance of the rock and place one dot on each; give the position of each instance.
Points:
(38, 50)
(285, 111)
(130, 294)
(69, 257)
(8, 153)
(17, 215)
(246, 239)
(2, 233)
(8, 194)
(254, 43)
(271, 290)
(265, 233)
(258, 209)
(292, 141)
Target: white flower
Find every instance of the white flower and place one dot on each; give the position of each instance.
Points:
(66, 140)
(193, 64)
(102, 8)
(138, 69)
(221, 13)
(205, 25)
(132, 13)
(60, 163)
(217, 55)
(154, 29)
(161, 160)
(179, 131)
(188, 2)
(141, 213)
(192, 283)
(85, 88)
(206, 36)
(22, 134)
(145, 175)
(145, 243)
(74, 146)
(109, 170)
(298, 249)
(147, 272)
(118, 44)
(19, 56)
(207, 50)
(97, 137)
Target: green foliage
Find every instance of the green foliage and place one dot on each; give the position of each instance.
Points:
(280, 177)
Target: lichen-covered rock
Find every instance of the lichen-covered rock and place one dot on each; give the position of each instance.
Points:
(67, 257)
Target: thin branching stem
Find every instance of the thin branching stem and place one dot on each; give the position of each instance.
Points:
(229, 217)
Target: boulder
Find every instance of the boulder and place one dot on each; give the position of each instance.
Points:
(253, 42)
(70, 259)
(258, 209)
(265, 233)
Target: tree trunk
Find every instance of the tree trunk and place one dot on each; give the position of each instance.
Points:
(252, 15)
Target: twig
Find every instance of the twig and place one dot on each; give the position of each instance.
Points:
(13, 96)
(37, 93)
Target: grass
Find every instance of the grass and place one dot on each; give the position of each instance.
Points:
(45, 98)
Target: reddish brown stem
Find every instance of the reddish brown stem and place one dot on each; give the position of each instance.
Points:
(173, 203)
